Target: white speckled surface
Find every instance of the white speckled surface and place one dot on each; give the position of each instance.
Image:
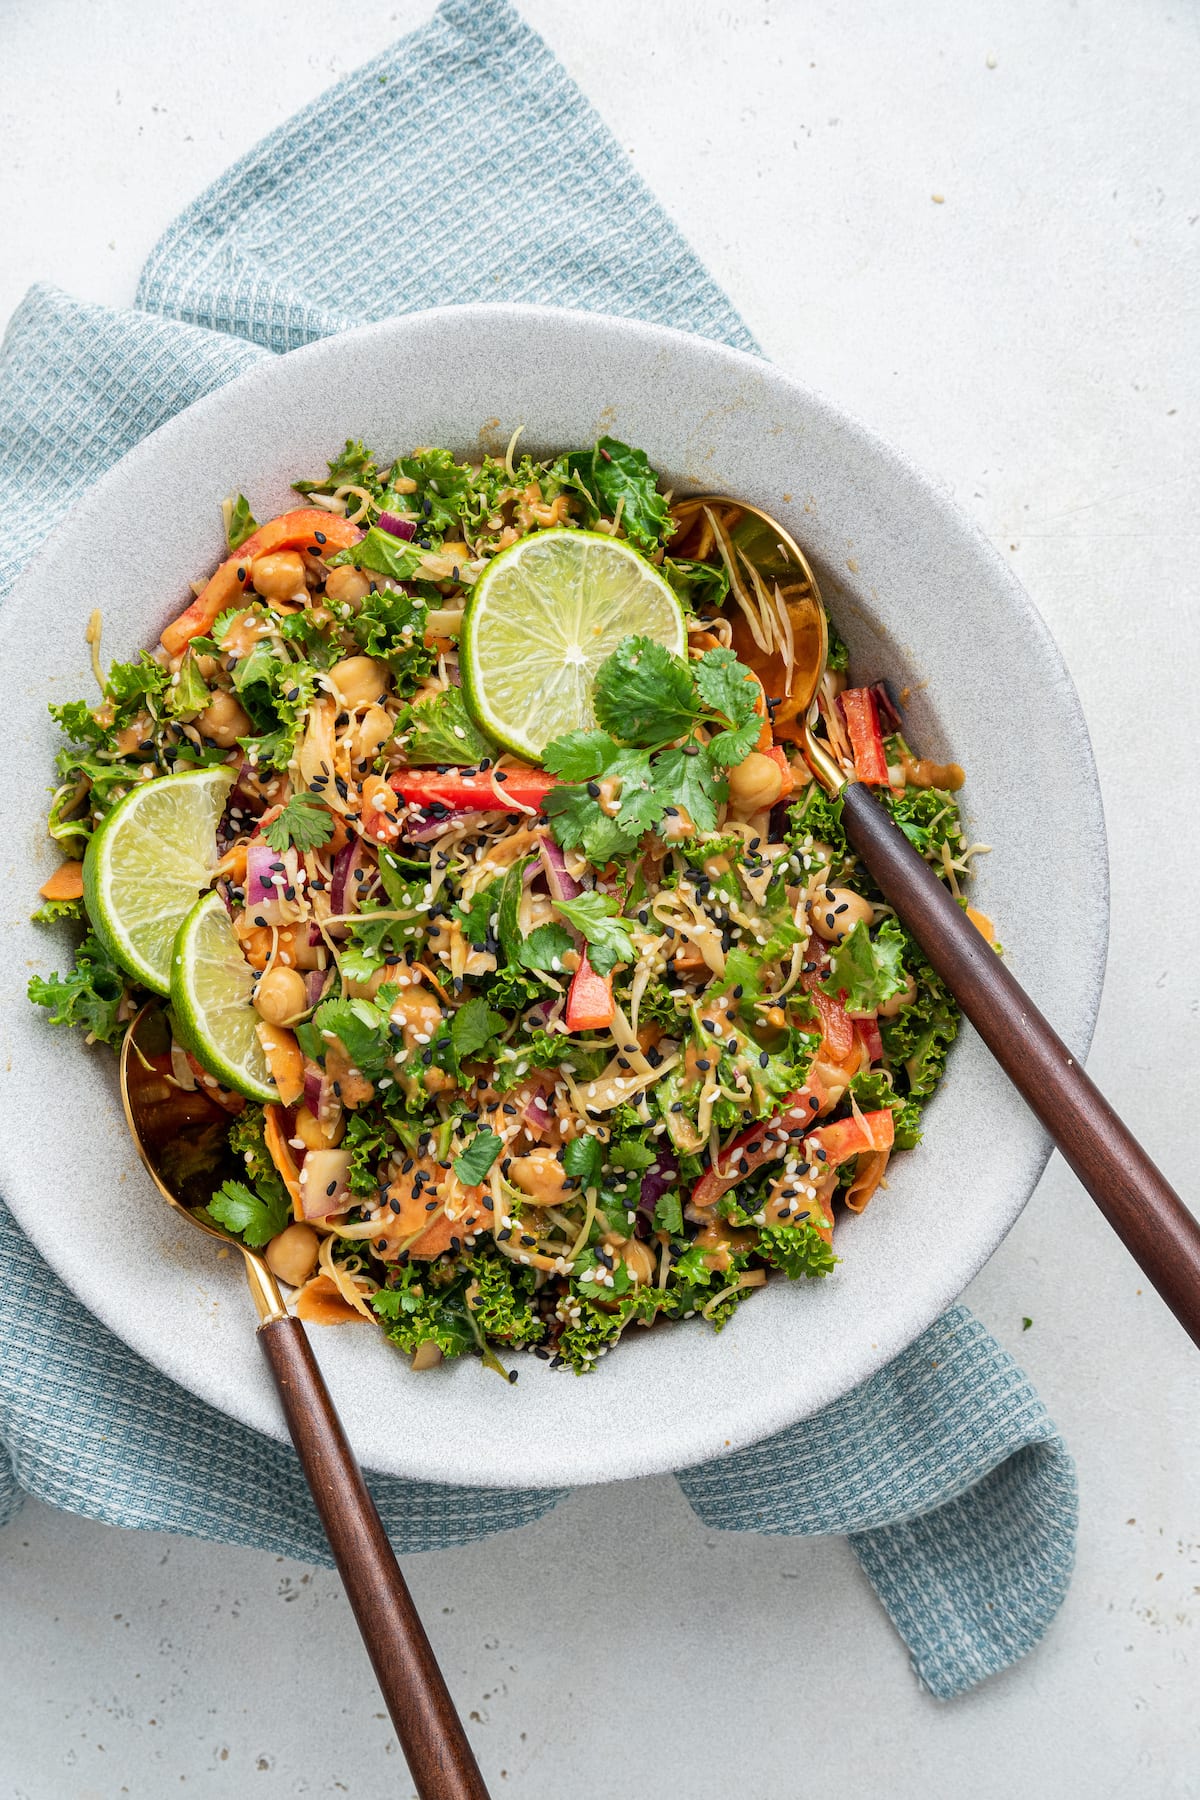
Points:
(920, 595)
(1033, 341)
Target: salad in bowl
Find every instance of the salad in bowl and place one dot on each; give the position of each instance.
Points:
(508, 944)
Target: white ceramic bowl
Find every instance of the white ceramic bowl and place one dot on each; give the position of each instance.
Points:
(922, 599)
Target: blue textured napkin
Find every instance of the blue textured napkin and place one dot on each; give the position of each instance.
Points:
(944, 1469)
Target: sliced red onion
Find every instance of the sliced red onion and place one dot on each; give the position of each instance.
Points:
(325, 1183)
(427, 831)
(889, 712)
(662, 1174)
(563, 885)
(536, 1112)
(315, 979)
(395, 526)
(260, 873)
(329, 1108)
(314, 1075)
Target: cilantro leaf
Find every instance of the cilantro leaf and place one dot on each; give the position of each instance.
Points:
(305, 821)
(868, 969)
(474, 1025)
(240, 522)
(688, 776)
(594, 915)
(727, 686)
(579, 824)
(580, 755)
(441, 730)
(361, 1029)
(545, 948)
(476, 915)
(475, 1161)
(583, 1159)
(668, 1212)
(251, 1218)
(644, 695)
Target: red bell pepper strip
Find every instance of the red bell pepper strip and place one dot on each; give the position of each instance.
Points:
(861, 713)
(589, 999)
(459, 790)
(837, 1029)
(852, 1137)
(828, 1145)
(307, 528)
(751, 1149)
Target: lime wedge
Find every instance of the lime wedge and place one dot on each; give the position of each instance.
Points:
(211, 988)
(543, 617)
(147, 862)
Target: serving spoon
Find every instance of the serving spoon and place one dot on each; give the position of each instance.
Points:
(1149, 1217)
(182, 1139)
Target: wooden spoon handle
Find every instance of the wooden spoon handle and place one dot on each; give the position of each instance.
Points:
(428, 1727)
(1139, 1203)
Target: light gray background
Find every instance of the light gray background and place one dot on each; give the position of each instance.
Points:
(1031, 339)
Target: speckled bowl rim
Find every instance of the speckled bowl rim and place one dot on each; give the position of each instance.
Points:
(445, 1454)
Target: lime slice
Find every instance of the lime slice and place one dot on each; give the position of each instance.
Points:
(145, 865)
(211, 986)
(543, 617)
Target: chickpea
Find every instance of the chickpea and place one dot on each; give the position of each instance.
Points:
(418, 1014)
(279, 575)
(640, 1260)
(541, 1178)
(836, 911)
(755, 783)
(346, 586)
(898, 1002)
(374, 730)
(292, 1256)
(313, 1135)
(358, 681)
(224, 720)
(280, 995)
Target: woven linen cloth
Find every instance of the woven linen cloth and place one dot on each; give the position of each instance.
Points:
(463, 164)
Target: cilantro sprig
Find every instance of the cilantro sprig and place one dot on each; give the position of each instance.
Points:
(667, 730)
(305, 821)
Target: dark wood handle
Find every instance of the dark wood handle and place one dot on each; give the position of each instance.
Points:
(1139, 1203)
(431, 1736)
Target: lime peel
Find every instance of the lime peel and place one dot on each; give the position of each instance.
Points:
(147, 862)
(542, 618)
(212, 986)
